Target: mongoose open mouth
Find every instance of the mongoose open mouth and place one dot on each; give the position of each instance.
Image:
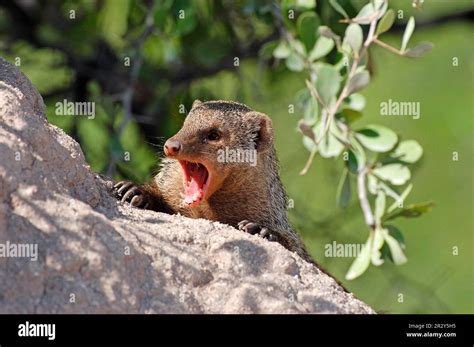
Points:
(196, 182)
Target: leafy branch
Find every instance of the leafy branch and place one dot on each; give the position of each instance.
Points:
(331, 103)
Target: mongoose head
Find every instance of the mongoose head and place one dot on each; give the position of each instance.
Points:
(218, 137)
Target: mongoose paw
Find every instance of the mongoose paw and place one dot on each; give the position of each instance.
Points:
(128, 192)
(257, 229)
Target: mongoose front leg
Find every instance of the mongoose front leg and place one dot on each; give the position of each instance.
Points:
(127, 191)
(257, 229)
(147, 196)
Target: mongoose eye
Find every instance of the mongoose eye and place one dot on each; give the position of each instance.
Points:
(213, 135)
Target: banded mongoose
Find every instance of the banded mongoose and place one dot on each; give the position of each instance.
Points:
(199, 179)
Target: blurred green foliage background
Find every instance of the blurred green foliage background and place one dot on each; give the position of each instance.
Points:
(78, 50)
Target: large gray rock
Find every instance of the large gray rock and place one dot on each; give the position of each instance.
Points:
(97, 256)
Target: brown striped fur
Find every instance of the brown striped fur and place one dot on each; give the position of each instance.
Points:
(240, 191)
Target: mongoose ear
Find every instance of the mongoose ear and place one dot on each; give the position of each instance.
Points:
(196, 103)
(264, 140)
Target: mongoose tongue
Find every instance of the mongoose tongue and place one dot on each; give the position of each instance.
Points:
(196, 176)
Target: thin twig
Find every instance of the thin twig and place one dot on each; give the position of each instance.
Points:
(315, 94)
(370, 35)
(309, 162)
(388, 47)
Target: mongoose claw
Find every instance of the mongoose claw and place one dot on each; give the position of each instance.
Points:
(256, 229)
(249, 227)
(127, 192)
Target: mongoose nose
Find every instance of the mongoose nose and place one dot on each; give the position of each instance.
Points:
(172, 147)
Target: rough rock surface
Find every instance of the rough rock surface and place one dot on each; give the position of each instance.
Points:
(97, 256)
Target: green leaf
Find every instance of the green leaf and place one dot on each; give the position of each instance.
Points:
(385, 252)
(322, 47)
(363, 17)
(161, 18)
(355, 101)
(294, 62)
(396, 250)
(344, 190)
(329, 146)
(328, 82)
(411, 211)
(307, 26)
(309, 106)
(407, 34)
(350, 115)
(359, 154)
(113, 21)
(328, 33)
(353, 37)
(362, 262)
(186, 24)
(303, 96)
(358, 82)
(379, 206)
(396, 174)
(372, 184)
(338, 8)
(46, 68)
(377, 138)
(282, 51)
(115, 147)
(266, 51)
(376, 255)
(386, 22)
(397, 234)
(309, 144)
(298, 47)
(153, 50)
(419, 50)
(408, 151)
(311, 111)
(351, 163)
(307, 4)
(365, 12)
